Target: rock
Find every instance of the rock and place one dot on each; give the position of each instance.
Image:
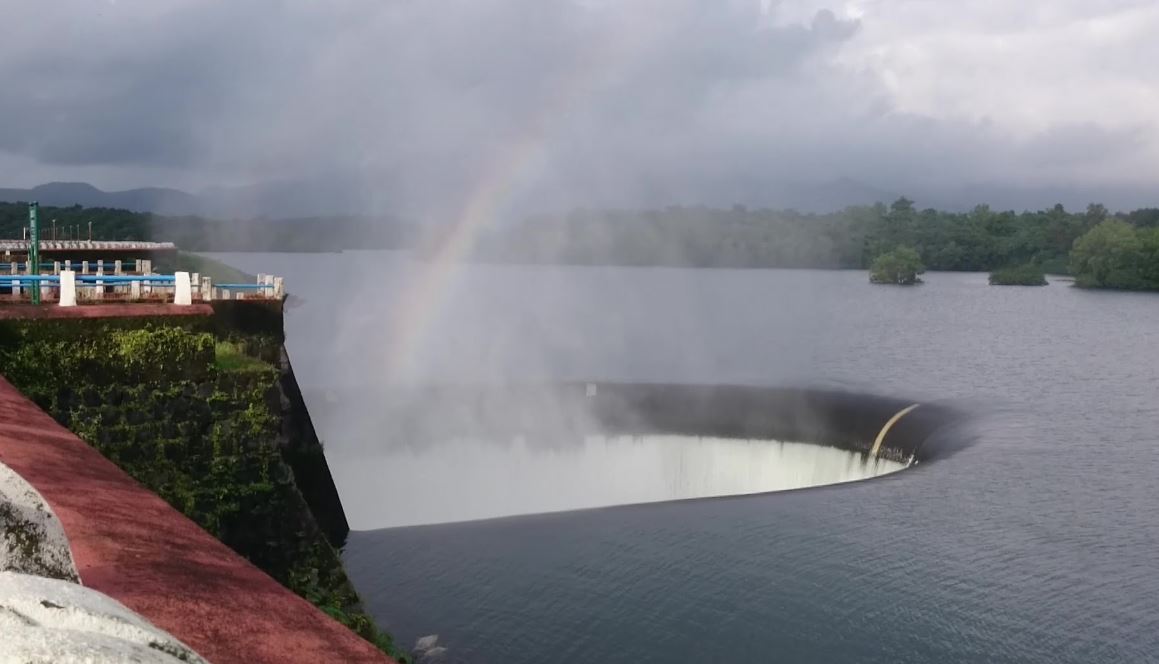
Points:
(427, 642)
(32, 540)
(48, 620)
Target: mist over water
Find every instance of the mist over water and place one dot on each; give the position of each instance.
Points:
(1036, 544)
(465, 479)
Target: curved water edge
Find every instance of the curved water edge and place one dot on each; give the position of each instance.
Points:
(468, 479)
(457, 453)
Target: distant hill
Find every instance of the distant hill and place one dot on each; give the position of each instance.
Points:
(66, 194)
(192, 233)
(349, 195)
(282, 199)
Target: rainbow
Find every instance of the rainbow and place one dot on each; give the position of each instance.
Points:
(517, 164)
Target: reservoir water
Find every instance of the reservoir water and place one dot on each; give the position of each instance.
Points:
(1039, 543)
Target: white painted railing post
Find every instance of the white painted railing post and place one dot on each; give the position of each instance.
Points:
(183, 289)
(68, 288)
(98, 292)
(207, 288)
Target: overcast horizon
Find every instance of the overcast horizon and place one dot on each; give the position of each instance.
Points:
(427, 107)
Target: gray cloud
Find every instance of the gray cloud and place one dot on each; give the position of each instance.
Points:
(556, 102)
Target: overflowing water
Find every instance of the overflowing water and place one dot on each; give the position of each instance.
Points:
(465, 479)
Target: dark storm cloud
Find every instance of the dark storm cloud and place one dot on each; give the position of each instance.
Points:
(621, 102)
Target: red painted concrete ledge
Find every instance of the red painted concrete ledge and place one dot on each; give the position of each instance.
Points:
(131, 545)
(117, 310)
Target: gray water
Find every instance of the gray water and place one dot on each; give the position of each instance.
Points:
(1040, 543)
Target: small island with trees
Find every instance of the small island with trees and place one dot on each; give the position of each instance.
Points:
(1028, 274)
(900, 267)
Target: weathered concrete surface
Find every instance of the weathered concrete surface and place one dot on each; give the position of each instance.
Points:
(58, 622)
(135, 548)
(17, 311)
(301, 448)
(32, 540)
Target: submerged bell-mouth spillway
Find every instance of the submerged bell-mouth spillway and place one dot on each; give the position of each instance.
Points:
(444, 454)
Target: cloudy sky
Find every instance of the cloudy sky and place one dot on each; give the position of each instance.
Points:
(558, 102)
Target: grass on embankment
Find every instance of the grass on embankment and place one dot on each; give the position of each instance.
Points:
(208, 267)
(229, 356)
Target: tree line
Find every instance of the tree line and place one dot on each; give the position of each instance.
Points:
(202, 234)
(1121, 254)
(1099, 248)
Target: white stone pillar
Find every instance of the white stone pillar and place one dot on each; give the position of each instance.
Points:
(68, 288)
(183, 289)
(117, 268)
(134, 290)
(56, 267)
(84, 267)
(207, 288)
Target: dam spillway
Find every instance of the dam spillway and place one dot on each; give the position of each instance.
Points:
(444, 454)
(468, 479)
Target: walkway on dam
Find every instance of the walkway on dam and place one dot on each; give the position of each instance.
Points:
(131, 545)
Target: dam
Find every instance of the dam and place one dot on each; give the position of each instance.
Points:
(85, 429)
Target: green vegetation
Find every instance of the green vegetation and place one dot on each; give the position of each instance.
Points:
(201, 234)
(900, 267)
(205, 266)
(230, 356)
(1029, 274)
(1117, 254)
(979, 240)
(193, 413)
(1120, 255)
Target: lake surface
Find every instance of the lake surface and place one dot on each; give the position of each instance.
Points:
(1040, 543)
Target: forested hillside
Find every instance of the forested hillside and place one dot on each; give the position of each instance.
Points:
(200, 234)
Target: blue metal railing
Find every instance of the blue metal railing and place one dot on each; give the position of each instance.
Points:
(245, 286)
(117, 285)
(105, 279)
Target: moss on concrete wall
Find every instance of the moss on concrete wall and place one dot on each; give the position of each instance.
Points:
(211, 437)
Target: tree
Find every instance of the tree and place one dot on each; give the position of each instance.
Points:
(1030, 274)
(1108, 256)
(900, 266)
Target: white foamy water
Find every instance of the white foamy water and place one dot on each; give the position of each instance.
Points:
(462, 480)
